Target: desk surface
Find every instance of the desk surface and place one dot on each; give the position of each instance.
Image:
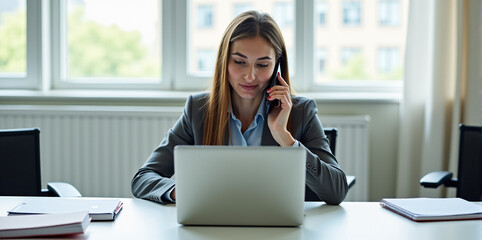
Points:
(141, 219)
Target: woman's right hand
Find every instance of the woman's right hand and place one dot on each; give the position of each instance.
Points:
(173, 194)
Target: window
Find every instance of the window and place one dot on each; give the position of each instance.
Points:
(351, 13)
(321, 10)
(356, 58)
(388, 59)
(321, 60)
(202, 43)
(241, 7)
(284, 14)
(13, 43)
(389, 12)
(19, 55)
(105, 45)
(206, 60)
(205, 16)
(172, 45)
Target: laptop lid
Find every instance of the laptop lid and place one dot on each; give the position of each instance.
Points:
(250, 186)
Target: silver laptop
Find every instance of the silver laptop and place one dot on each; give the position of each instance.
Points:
(240, 186)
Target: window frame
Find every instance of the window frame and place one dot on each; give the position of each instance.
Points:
(45, 26)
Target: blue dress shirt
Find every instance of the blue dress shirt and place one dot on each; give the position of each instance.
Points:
(252, 136)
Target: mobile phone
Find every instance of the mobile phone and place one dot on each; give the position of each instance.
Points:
(274, 81)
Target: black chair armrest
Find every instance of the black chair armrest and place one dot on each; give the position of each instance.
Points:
(350, 180)
(62, 189)
(437, 178)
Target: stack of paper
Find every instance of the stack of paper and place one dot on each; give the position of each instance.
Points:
(433, 209)
(43, 224)
(99, 209)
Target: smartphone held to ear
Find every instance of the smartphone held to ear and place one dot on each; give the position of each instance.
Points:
(274, 81)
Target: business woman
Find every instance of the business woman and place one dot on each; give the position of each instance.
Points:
(234, 112)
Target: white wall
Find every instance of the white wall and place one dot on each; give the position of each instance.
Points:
(384, 127)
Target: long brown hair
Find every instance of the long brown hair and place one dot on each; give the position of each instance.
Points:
(247, 24)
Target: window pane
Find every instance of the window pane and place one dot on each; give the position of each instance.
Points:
(13, 38)
(321, 61)
(205, 16)
(116, 40)
(208, 19)
(356, 44)
(320, 14)
(283, 14)
(206, 60)
(389, 12)
(388, 59)
(351, 12)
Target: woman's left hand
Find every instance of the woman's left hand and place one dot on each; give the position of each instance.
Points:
(278, 117)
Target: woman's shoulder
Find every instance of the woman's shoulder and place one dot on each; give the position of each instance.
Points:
(197, 100)
(303, 106)
(299, 101)
(199, 97)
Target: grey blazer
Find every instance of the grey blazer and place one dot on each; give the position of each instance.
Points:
(323, 175)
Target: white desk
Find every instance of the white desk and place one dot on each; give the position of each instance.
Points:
(141, 219)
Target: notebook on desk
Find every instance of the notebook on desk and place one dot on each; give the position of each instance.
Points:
(98, 208)
(245, 186)
(433, 209)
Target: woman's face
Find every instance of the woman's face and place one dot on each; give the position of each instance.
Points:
(250, 66)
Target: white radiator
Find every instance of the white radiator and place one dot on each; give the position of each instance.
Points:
(99, 149)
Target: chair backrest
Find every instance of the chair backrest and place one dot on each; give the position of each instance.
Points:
(20, 162)
(469, 177)
(331, 134)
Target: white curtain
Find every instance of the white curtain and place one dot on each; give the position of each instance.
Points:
(442, 88)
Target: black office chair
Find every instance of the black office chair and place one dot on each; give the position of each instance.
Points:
(469, 176)
(20, 166)
(331, 134)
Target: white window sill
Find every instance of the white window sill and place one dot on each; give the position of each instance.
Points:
(176, 96)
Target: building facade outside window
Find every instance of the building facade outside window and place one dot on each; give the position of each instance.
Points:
(206, 60)
(389, 12)
(284, 14)
(205, 16)
(352, 13)
(321, 11)
(388, 59)
(321, 60)
(347, 54)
